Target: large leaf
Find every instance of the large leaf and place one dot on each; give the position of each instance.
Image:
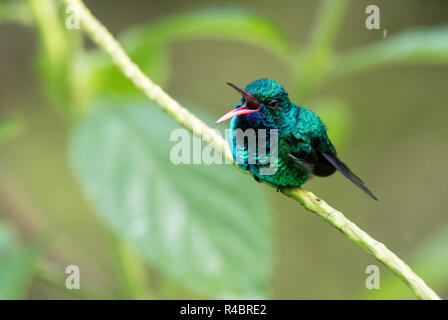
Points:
(205, 225)
(419, 46)
(16, 264)
(147, 45)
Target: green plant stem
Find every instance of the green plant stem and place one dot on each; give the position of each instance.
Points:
(131, 272)
(313, 63)
(59, 50)
(103, 38)
(54, 40)
(327, 25)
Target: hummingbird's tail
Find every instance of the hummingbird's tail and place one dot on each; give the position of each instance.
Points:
(341, 167)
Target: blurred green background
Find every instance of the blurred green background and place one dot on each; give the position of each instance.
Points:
(85, 177)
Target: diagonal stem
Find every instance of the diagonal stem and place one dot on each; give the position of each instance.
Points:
(104, 39)
(311, 66)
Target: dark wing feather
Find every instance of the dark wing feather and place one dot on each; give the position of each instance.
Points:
(317, 164)
(341, 167)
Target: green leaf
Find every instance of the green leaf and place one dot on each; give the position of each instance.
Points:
(10, 128)
(16, 264)
(429, 261)
(207, 226)
(417, 46)
(102, 77)
(228, 24)
(148, 45)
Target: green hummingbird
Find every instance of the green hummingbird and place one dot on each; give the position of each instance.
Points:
(302, 147)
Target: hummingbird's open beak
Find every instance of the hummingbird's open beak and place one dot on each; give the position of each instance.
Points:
(250, 104)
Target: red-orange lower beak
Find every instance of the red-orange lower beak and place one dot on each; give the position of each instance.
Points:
(237, 112)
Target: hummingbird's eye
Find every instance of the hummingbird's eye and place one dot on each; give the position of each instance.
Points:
(273, 104)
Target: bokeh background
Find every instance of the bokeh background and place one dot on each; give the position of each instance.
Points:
(85, 177)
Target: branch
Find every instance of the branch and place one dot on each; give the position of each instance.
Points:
(104, 39)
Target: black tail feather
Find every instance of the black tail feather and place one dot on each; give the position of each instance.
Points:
(341, 167)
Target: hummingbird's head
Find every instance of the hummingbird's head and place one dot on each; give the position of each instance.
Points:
(264, 96)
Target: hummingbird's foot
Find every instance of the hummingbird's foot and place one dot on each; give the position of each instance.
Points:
(280, 189)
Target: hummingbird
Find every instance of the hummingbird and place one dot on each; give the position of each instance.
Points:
(304, 149)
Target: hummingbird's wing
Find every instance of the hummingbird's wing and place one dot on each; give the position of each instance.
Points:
(308, 140)
(312, 147)
(342, 168)
(315, 161)
(322, 164)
